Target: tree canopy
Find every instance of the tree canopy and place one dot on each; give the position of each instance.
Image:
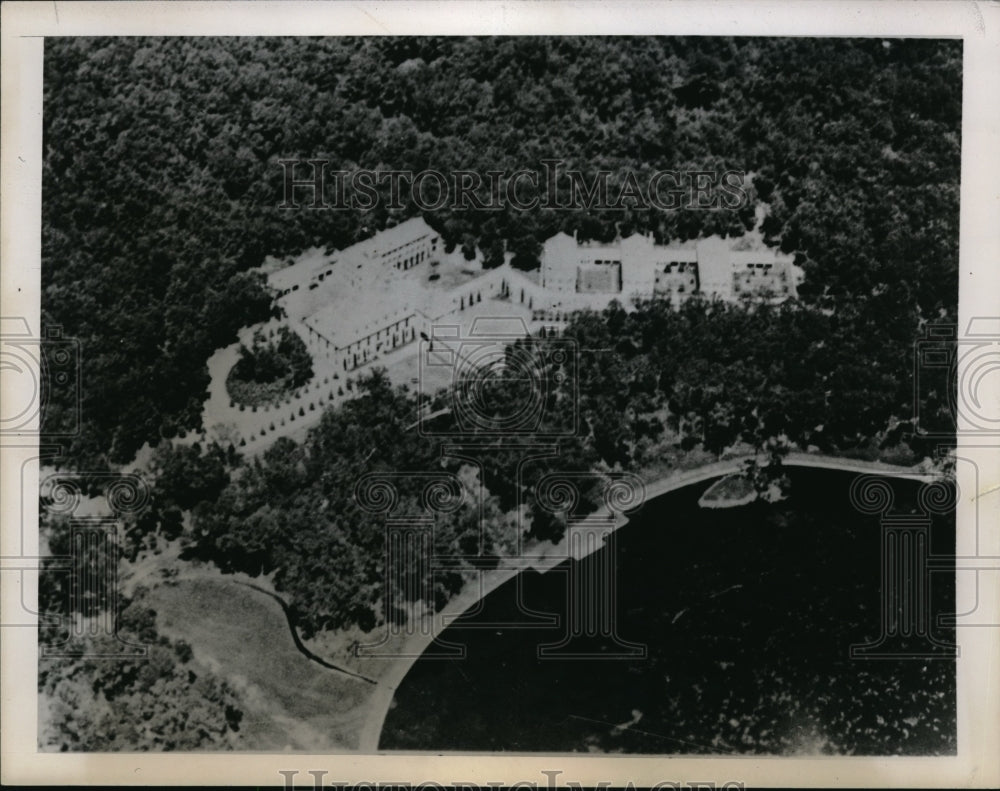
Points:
(162, 183)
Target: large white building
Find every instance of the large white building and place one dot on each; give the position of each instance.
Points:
(588, 274)
(398, 248)
(351, 307)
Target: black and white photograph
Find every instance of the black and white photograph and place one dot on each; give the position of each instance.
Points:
(467, 388)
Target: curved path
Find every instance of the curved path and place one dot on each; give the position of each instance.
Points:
(549, 556)
(298, 640)
(385, 674)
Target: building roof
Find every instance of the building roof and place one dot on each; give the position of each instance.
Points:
(303, 270)
(765, 256)
(682, 251)
(367, 313)
(384, 241)
(299, 272)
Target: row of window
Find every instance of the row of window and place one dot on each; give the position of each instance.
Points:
(758, 273)
(411, 261)
(402, 247)
(679, 266)
(398, 339)
(386, 331)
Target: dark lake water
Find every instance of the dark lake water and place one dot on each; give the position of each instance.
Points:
(748, 615)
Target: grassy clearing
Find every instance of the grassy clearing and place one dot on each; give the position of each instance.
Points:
(289, 702)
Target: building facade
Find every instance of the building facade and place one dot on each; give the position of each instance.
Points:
(348, 308)
(398, 248)
(583, 274)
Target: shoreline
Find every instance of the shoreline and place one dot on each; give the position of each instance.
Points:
(432, 626)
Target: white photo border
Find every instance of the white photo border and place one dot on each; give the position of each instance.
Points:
(24, 27)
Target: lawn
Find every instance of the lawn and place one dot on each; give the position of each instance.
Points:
(289, 702)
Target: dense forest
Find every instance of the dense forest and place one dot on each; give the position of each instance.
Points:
(133, 690)
(646, 394)
(160, 701)
(161, 192)
(162, 183)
